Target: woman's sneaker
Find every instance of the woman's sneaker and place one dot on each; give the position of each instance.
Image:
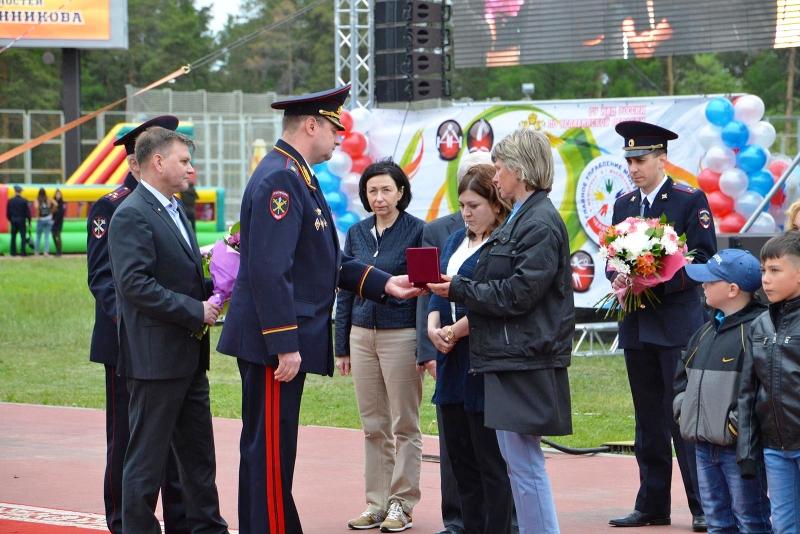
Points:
(397, 520)
(367, 520)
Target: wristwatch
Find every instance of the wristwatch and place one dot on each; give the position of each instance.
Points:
(449, 335)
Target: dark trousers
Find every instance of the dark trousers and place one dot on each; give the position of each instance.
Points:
(174, 414)
(480, 472)
(451, 501)
(650, 373)
(18, 228)
(117, 435)
(268, 448)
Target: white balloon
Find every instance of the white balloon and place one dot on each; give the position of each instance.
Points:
(362, 120)
(749, 109)
(709, 135)
(719, 159)
(762, 134)
(357, 207)
(349, 185)
(340, 163)
(764, 224)
(747, 203)
(733, 182)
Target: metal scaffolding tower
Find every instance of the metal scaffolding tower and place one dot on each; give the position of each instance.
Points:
(354, 44)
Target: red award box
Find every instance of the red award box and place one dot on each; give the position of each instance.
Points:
(423, 265)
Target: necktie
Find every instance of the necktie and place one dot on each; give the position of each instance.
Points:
(172, 209)
(645, 207)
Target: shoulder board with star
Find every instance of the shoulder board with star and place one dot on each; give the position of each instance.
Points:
(683, 188)
(118, 194)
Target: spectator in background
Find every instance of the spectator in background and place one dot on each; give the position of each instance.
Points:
(44, 208)
(189, 200)
(521, 323)
(18, 214)
(58, 219)
(434, 234)
(378, 343)
(478, 466)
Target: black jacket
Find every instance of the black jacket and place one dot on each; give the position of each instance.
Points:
(160, 291)
(389, 256)
(769, 400)
(707, 381)
(521, 309)
(17, 210)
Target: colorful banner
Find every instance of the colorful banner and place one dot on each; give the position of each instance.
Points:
(590, 171)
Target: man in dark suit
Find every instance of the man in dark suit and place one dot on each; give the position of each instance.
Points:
(105, 347)
(18, 214)
(164, 352)
(278, 323)
(654, 336)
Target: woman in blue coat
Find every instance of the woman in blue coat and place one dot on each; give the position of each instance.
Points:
(478, 466)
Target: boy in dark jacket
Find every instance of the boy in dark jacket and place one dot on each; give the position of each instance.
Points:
(706, 391)
(769, 400)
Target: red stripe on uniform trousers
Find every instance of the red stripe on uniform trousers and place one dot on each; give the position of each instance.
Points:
(269, 382)
(276, 432)
(113, 444)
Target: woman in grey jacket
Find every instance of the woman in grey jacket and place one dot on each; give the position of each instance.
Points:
(521, 322)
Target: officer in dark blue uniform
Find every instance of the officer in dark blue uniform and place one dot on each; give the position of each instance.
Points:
(278, 324)
(105, 347)
(654, 336)
(18, 213)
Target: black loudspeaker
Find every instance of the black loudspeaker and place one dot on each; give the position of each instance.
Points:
(410, 58)
(406, 89)
(415, 12)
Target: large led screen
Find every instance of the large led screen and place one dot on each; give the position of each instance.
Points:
(517, 32)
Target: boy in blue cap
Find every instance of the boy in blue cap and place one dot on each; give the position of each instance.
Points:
(769, 400)
(707, 387)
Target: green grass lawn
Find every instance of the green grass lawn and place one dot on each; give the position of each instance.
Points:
(46, 325)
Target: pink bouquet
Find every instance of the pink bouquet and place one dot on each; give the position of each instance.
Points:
(223, 266)
(221, 263)
(649, 252)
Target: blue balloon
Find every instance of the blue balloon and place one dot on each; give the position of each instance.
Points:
(337, 201)
(761, 182)
(327, 181)
(719, 111)
(346, 220)
(735, 134)
(751, 159)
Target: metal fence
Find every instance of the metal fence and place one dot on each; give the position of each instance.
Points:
(225, 127)
(222, 158)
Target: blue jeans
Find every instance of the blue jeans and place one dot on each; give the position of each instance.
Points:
(783, 475)
(732, 504)
(536, 510)
(43, 226)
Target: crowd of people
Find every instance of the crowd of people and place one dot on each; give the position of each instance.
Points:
(495, 332)
(49, 222)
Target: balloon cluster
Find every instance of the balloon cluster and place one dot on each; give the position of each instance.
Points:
(738, 170)
(338, 177)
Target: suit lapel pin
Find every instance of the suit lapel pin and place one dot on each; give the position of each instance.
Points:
(663, 196)
(633, 198)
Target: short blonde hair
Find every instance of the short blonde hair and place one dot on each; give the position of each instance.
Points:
(791, 213)
(527, 152)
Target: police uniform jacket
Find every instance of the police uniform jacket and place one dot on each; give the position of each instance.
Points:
(679, 313)
(17, 210)
(105, 346)
(290, 266)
